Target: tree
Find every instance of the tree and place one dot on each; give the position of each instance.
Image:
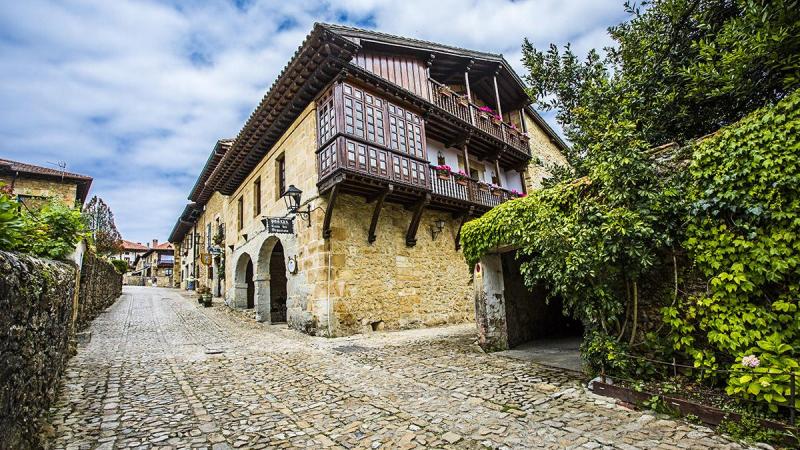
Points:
(103, 230)
(680, 69)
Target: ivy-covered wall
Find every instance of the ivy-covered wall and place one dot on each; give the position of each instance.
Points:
(36, 298)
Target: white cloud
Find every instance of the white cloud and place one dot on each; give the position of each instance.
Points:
(136, 93)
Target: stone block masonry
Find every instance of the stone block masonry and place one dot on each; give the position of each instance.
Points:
(100, 286)
(41, 306)
(36, 300)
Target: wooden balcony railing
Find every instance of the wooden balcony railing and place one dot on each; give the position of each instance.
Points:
(469, 190)
(469, 112)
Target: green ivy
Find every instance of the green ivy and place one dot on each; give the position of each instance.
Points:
(744, 237)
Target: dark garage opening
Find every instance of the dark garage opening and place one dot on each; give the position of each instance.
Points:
(535, 325)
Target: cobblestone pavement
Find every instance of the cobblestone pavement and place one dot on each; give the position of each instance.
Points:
(153, 376)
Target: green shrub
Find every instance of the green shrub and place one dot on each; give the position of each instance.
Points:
(120, 265)
(10, 222)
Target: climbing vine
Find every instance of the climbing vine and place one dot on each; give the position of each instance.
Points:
(744, 237)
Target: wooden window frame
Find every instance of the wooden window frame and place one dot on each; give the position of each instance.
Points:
(280, 175)
(240, 213)
(257, 197)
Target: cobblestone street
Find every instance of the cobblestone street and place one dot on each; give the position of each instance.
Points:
(162, 372)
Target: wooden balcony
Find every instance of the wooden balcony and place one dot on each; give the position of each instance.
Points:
(367, 170)
(468, 191)
(460, 107)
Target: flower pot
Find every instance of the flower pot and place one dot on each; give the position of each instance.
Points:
(207, 300)
(483, 187)
(496, 121)
(464, 101)
(443, 175)
(445, 91)
(462, 181)
(483, 115)
(497, 192)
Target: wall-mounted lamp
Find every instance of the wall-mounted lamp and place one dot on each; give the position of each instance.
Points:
(436, 228)
(292, 197)
(440, 158)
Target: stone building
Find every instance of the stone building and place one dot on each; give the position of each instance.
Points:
(153, 267)
(199, 234)
(33, 184)
(338, 209)
(130, 251)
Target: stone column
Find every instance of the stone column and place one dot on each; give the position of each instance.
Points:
(490, 306)
(262, 299)
(240, 295)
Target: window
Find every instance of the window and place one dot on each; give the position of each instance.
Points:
(240, 214)
(281, 162)
(257, 197)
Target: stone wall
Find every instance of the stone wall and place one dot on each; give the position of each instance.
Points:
(387, 285)
(66, 190)
(100, 286)
(36, 305)
(40, 309)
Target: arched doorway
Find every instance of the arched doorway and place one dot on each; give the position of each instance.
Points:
(244, 293)
(271, 291)
(251, 286)
(277, 284)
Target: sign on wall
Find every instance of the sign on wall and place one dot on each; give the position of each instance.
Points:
(279, 225)
(205, 258)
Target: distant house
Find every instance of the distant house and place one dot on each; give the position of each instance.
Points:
(131, 250)
(153, 266)
(32, 184)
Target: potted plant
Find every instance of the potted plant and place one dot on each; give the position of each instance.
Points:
(516, 193)
(463, 100)
(442, 171)
(205, 296)
(483, 186)
(496, 119)
(496, 190)
(461, 177)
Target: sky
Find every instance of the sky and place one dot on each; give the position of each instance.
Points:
(136, 93)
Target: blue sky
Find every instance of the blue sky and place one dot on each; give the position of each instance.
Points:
(136, 93)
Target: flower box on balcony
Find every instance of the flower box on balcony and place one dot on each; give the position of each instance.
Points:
(497, 120)
(463, 100)
(496, 191)
(442, 171)
(461, 178)
(483, 187)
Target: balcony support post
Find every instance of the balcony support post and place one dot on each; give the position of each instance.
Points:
(497, 171)
(376, 213)
(411, 234)
(326, 223)
(469, 91)
(497, 92)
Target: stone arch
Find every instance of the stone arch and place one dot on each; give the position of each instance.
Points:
(270, 282)
(244, 283)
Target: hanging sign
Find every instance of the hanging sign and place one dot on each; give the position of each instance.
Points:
(279, 225)
(205, 258)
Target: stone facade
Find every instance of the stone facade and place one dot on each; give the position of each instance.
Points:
(65, 190)
(387, 284)
(545, 154)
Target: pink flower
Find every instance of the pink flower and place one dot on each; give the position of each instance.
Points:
(485, 109)
(751, 361)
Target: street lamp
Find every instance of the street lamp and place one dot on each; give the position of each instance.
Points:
(436, 227)
(292, 197)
